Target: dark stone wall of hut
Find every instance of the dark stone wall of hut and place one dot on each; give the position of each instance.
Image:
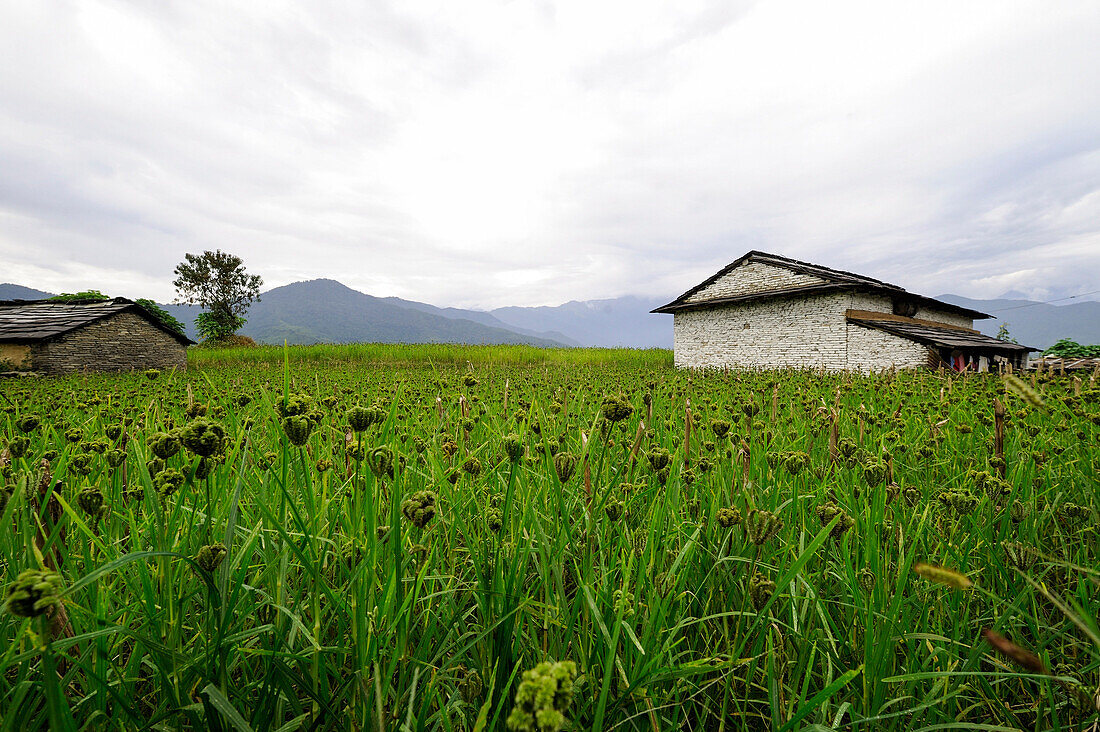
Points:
(119, 343)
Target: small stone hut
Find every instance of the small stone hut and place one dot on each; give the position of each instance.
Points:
(60, 338)
(764, 311)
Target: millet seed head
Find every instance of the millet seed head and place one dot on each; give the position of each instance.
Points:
(380, 460)
(761, 526)
(874, 472)
(761, 590)
(81, 463)
(28, 423)
(18, 446)
(659, 458)
(33, 593)
(826, 512)
(543, 697)
(728, 517)
(297, 429)
(210, 556)
(1019, 555)
(943, 576)
(616, 408)
(471, 466)
(168, 481)
(565, 464)
(91, 501)
(419, 508)
(203, 437)
(513, 447)
(796, 462)
(470, 684)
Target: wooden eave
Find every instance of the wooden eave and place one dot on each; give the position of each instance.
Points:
(940, 335)
(874, 315)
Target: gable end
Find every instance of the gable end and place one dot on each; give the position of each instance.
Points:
(754, 278)
(762, 275)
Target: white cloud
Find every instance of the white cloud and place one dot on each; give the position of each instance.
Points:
(483, 154)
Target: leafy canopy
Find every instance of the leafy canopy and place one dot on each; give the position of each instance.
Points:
(218, 282)
(1069, 348)
(214, 328)
(79, 297)
(1004, 335)
(160, 314)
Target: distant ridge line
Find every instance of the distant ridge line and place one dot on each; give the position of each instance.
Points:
(326, 310)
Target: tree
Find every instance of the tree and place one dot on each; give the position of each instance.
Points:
(1069, 348)
(218, 282)
(79, 298)
(1003, 335)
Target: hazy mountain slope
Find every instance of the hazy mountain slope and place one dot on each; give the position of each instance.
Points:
(623, 321)
(9, 291)
(325, 311)
(480, 316)
(185, 314)
(1036, 324)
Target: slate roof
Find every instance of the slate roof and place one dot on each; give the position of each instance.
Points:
(27, 321)
(930, 335)
(835, 280)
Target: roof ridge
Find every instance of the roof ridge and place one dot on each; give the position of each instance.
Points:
(780, 259)
(56, 318)
(836, 276)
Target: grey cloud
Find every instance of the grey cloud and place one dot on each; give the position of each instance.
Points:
(488, 155)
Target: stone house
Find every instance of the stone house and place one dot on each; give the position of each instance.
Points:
(764, 311)
(113, 335)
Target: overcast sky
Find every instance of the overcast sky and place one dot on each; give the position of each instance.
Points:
(521, 153)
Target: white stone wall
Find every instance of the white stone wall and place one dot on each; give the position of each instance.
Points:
(944, 317)
(874, 303)
(874, 350)
(753, 277)
(791, 332)
(799, 332)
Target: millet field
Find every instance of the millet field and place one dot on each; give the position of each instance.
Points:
(504, 538)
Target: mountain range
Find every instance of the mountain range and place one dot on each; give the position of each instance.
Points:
(1036, 324)
(326, 311)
